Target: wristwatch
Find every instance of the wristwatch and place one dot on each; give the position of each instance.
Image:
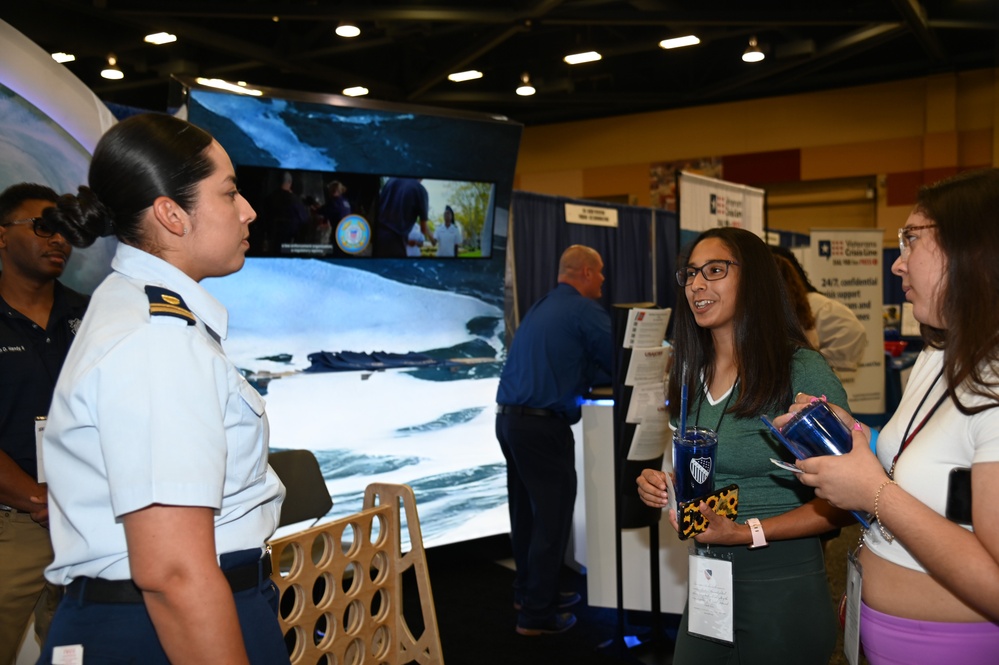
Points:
(755, 528)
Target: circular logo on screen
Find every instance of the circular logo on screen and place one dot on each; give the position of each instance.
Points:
(353, 234)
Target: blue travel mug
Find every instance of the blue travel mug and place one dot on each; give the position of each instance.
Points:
(816, 430)
(694, 462)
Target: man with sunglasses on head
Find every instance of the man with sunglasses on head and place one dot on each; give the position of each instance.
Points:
(39, 318)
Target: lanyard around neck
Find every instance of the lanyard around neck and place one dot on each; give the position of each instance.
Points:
(704, 396)
(907, 437)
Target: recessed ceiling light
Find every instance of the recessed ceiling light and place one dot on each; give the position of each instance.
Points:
(239, 88)
(678, 42)
(347, 29)
(160, 38)
(470, 75)
(577, 58)
(356, 91)
(63, 57)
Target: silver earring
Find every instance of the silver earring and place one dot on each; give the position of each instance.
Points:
(185, 230)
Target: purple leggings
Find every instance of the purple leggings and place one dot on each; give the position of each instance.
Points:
(890, 640)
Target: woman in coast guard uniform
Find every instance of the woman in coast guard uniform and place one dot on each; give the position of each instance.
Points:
(161, 497)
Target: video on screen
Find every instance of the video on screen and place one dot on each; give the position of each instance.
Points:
(318, 214)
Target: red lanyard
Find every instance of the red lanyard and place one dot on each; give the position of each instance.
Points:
(907, 437)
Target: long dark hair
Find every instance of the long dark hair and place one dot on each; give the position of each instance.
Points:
(135, 162)
(965, 209)
(767, 332)
(796, 292)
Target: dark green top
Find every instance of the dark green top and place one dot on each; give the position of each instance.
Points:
(745, 445)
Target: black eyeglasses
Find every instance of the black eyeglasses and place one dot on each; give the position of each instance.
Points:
(38, 225)
(711, 271)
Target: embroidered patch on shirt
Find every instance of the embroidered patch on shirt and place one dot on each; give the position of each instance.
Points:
(164, 302)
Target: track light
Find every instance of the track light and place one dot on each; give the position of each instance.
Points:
(112, 71)
(579, 58)
(677, 42)
(61, 57)
(753, 52)
(470, 75)
(347, 29)
(160, 38)
(356, 91)
(525, 89)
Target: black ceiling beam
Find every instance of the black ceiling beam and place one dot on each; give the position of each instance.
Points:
(826, 56)
(219, 42)
(486, 45)
(914, 17)
(405, 12)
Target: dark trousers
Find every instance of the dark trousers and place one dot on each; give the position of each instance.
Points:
(783, 611)
(541, 482)
(120, 633)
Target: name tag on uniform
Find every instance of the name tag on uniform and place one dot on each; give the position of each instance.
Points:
(68, 655)
(39, 431)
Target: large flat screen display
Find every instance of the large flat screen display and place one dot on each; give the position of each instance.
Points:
(362, 215)
(429, 425)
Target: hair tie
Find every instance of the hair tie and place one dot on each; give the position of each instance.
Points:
(105, 212)
(108, 229)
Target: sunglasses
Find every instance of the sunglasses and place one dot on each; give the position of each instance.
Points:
(38, 225)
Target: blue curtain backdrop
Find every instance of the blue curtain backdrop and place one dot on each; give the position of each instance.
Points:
(631, 264)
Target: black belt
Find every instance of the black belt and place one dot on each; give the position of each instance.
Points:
(97, 590)
(526, 411)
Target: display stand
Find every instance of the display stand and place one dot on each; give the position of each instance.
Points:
(630, 512)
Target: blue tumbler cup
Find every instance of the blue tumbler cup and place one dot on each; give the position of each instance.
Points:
(816, 430)
(694, 462)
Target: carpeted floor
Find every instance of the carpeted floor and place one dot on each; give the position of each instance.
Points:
(474, 604)
(476, 619)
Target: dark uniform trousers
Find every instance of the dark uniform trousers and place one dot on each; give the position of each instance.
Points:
(541, 481)
(115, 633)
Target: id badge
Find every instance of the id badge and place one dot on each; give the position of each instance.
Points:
(68, 655)
(40, 422)
(709, 596)
(851, 626)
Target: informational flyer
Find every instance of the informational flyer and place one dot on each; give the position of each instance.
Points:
(648, 365)
(646, 327)
(646, 402)
(650, 439)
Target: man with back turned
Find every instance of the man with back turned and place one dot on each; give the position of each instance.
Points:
(557, 353)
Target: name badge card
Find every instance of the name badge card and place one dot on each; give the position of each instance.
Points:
(39, 433)
(709, 597)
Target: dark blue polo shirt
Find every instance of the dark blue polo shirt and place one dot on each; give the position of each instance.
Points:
(404, 201)
(30, 360)
(557, 352)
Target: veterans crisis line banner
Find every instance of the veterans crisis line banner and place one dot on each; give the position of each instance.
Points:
(845, 264)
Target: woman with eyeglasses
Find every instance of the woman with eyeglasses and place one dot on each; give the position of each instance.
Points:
(161, 497)
(930, 563)
(739, 349)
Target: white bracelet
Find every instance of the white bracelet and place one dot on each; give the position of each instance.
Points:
(756, 528)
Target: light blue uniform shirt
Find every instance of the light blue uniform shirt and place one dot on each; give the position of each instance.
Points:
(149, 410)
